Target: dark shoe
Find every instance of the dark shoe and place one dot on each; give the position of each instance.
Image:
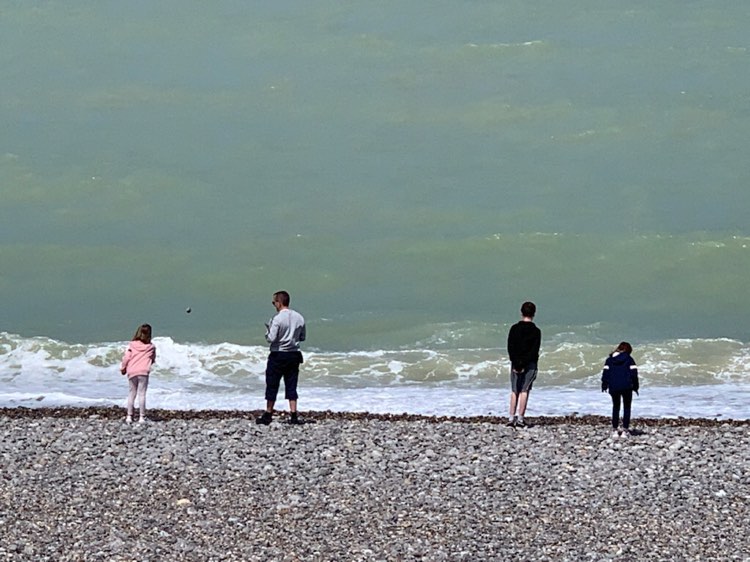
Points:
(521, 423)
(265, 419)
(512, 423)
(296, 421)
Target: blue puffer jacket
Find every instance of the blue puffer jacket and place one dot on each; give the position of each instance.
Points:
(620, 373)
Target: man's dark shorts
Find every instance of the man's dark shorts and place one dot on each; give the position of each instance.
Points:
(521, 382)
(282, 365)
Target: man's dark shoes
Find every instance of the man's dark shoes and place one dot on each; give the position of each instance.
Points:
(265, 419)
(294, 420)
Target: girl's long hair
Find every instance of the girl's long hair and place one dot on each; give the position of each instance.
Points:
(143, 333)
(624, 347)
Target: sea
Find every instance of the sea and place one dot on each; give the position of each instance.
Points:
(411, 172)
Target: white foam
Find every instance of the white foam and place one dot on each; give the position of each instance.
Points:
(714, 401)
(681, 377)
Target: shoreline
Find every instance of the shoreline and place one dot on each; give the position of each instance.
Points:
(160, 415)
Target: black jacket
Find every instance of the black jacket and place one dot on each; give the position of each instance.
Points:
(524, 340)
(620, 373)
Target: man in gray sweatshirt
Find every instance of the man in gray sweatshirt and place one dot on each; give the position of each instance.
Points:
(284, 332)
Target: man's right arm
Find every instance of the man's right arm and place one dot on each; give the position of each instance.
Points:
(272, 331)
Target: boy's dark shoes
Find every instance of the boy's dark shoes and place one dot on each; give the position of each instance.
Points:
(296, 421)
(265, 419)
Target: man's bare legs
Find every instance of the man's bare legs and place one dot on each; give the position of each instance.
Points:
(270, 404)
(265, 419)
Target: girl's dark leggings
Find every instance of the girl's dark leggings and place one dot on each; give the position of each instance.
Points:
(627, 400)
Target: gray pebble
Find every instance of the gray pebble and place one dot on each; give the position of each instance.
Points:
(203, 489)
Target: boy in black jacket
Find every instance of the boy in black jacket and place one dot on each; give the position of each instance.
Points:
(620, 377)
(524, 341)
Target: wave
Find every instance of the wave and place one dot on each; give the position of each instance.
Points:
(504, 46)
(684, 377)
(226, 367)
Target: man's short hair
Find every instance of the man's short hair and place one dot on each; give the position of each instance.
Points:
(282, 297)
(528, 309)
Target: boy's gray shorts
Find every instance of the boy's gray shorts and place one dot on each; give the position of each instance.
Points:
(521, 382)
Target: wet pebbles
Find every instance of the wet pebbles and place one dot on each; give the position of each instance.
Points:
(80, 484)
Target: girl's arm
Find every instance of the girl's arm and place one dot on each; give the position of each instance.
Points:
(605, 376)
(634, 375)
(125, 360)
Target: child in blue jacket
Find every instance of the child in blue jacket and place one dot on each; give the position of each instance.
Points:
(620, 377)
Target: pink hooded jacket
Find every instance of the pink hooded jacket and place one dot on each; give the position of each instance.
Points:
(138, 358)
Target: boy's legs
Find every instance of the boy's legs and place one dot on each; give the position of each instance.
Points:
(523, 399)
(513, 404)
(525, 383)
(514, 391)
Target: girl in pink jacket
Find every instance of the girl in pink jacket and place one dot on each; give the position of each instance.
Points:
(136, 364)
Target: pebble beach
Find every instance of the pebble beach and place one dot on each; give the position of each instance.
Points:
(80, 484)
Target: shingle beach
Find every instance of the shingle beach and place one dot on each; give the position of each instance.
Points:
(80, 484)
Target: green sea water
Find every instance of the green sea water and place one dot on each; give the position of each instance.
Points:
(410, 172)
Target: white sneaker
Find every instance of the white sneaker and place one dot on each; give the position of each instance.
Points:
(626, 433)
(129, 419)
(615, 434)
(142, 420)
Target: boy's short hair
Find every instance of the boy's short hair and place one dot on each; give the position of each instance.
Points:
(528, 309)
